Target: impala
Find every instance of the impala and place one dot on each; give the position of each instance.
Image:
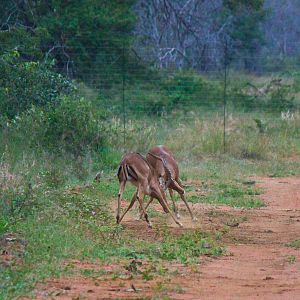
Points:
(136, 169)
(164, 163)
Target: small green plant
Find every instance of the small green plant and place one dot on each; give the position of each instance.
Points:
(291, 259)
(294, 244)
(261, 125)
(160, 287)
(147, 275)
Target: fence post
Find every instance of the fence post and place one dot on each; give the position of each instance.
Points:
(225, 93)
(123, 97)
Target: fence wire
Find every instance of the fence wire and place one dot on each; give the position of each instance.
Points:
(129, 88)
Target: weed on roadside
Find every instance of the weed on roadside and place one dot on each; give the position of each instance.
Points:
(294, 244)
(291, 259)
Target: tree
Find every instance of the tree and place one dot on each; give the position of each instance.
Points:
(245, 33)
(180, 33)
(282, 28)
(79, 35)
(192, 33)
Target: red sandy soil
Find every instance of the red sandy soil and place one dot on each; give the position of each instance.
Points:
(259, 265)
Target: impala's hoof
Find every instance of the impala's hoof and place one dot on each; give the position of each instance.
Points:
(179, 224)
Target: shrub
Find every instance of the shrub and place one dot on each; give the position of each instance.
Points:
(16, 196)
(280, 98)
(27, 83)
(275, 95)
(187, 88)
(181, 92)
(74, 126)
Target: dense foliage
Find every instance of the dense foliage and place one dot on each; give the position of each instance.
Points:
(27, 83)
(73, 126)
(246, 36)
(69, 32)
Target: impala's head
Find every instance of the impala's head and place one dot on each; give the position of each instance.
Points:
(157, 192)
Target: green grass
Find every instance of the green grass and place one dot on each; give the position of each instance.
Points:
(224, 168)
(219, 200)
(233, 194)
(291, 259)
(189, 245)
(77, 223)
(294, 244)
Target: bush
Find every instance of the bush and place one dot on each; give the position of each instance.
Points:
(16, 196)
(27, 83)
(74, 126)
(280, 98)
(186, 89)
(275, 95)
(181, 91)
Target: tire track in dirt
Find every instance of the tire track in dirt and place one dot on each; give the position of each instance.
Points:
(259, 264)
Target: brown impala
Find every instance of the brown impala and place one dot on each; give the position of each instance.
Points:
(135, 169)
(164, 163)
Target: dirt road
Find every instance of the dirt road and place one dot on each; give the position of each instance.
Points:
(259, 264)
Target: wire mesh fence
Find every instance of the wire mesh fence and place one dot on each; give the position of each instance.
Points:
(225, 96)
(149, 99)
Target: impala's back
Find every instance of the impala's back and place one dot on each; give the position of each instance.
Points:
(163, 152)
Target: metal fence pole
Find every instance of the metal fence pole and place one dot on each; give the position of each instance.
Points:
(225, 94)
(123, 96)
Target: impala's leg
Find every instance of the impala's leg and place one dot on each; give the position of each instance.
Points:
(140, 199)
(175, 207)
(151, 199)
(121, 190)
(163, 199)
(140, 213)
(130, 205)
(179, 188)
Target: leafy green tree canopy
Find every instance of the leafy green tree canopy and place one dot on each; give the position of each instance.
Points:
(245, 33)
(77, 34)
